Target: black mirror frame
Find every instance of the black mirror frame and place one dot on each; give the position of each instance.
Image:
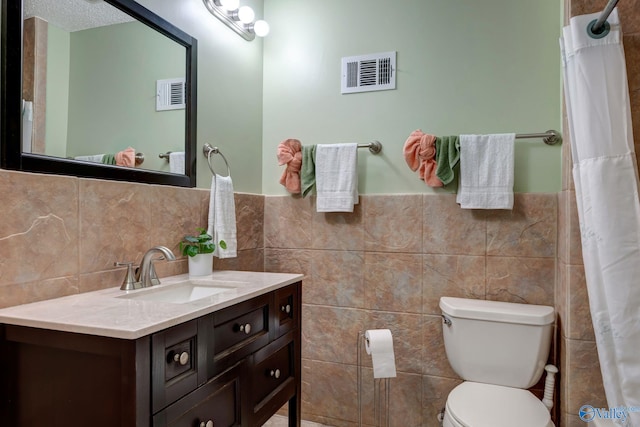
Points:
(11, 155)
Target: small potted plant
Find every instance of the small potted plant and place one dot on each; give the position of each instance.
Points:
(199, 250)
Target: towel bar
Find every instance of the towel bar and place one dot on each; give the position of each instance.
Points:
(374, 146)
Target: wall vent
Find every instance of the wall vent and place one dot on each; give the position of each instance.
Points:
(367, 73)
(170, 94)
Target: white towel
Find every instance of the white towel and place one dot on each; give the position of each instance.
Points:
(176, 162)
(222, 216)
(27, 125)
(486, 171)
(336, 177)
(95, 158)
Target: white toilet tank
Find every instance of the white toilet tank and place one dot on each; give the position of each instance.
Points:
(497, 342)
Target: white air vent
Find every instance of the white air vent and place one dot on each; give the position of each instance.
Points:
(367, 73)
(170, 94)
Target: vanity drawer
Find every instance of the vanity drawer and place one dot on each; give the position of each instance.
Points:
(273, 379)
(287, 305)
(178, 362)
(217, 403)
(238, 331)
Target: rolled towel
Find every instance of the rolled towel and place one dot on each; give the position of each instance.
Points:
(419, 153)
(412, 148)
(290, 153)
(126, 157)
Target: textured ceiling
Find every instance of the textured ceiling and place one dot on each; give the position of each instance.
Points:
(75, 15)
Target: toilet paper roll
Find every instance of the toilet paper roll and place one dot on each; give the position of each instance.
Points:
(379, 344)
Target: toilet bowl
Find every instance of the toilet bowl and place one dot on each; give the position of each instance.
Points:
(486, 405)
(500, 350)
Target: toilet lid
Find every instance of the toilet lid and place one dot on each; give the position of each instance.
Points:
(487, 405)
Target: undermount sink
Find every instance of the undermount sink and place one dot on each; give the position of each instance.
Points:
(183, 292)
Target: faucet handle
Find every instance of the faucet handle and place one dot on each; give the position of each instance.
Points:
(129, 282)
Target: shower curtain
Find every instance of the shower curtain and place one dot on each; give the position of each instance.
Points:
(606, 184)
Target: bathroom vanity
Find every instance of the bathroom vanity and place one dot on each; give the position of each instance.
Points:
(115, 358)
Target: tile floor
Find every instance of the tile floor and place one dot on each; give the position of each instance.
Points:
(282, 421)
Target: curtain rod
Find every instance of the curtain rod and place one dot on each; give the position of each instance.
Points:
(598, 26)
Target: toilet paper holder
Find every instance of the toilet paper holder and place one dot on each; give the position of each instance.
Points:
(381, 386)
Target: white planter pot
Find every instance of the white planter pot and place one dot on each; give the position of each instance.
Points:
(200, 265)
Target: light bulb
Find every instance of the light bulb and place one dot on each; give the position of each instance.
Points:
(261, 28)
(246, 15)
(230, 4)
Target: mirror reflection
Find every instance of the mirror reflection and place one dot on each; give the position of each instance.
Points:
(100, 87)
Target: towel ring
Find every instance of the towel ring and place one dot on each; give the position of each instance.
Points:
(207, 150)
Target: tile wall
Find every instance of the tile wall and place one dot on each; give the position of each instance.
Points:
(61, 235)
(386, 266)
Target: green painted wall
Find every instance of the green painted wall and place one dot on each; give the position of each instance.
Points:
(112, 96)
(229, 91)
(464, 66)
(58, 49)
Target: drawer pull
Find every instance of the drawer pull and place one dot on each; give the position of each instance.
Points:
(275, 373)
(207, 424)
(245, 328)
(286, 308)
(182, 358)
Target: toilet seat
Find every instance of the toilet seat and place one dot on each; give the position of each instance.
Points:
(486, 405)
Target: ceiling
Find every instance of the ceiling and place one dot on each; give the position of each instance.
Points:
(75, 15)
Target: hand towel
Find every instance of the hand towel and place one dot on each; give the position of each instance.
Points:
(96, 158)
(419, 153)
(27, 125)
(109, 159)
(308, 169)
(447, 157)
(222, 216)
(336, 177)
(176, 162)
(289, 153)
(486, 171)
(126, 157)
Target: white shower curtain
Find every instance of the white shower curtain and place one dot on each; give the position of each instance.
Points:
(605, 176)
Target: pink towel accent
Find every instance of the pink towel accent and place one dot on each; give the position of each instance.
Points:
(126, 157)
(419, 153)
(290, 153)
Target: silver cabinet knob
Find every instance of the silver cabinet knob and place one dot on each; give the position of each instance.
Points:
(207, 424)
(182, 358)
(286, 308)
(275, 374)
(245, 328)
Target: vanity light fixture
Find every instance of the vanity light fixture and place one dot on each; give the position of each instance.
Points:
(239, 19)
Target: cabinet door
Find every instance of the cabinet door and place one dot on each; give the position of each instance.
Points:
(215, 404)
(178, 362)
(286, 310)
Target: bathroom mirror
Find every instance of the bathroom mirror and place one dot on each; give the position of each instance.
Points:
(102, 128)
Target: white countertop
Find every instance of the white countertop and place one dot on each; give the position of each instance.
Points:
(126, 314)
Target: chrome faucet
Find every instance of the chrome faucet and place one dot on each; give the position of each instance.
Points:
(147, 274)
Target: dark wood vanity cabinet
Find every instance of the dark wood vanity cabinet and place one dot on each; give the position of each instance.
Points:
(234, 367)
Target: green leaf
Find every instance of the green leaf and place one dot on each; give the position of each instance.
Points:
(223, 244)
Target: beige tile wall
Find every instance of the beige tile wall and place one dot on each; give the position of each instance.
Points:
(61, 235)
(385, 266)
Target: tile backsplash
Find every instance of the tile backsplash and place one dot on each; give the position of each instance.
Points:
(62, 235)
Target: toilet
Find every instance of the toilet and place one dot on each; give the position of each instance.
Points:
(500, 350)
